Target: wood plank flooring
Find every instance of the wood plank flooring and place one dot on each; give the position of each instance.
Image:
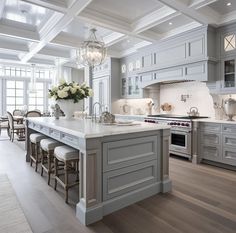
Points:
(203, 200)
(12, 218)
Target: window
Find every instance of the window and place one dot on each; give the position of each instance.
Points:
(229, 43)
(14, 92)
(36, 100)
(14, 95)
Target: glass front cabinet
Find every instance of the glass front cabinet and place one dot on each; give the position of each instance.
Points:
(130, 87)
(229, 79)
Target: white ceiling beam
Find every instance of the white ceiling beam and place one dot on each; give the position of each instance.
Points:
(113, 38)
(2, 6)
(56, 28)
(190, 12)
(49, 4)
(153, 19)
(197, 4)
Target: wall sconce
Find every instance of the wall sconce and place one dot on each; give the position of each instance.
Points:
(184, 98)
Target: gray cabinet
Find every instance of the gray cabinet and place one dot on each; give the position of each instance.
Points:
(217, 142)
(129, 164)
(106, 80)
(130, 80)
(210, 141)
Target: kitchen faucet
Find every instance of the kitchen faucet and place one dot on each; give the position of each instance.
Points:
(94, 116)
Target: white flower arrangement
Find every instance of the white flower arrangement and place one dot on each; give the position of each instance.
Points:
(70, 91)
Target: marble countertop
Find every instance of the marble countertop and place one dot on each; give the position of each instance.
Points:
(87, 129)
(212, 120)
(123, 115)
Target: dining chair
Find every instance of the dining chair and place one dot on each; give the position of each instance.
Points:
(17, 112)
(14, 128)
(33, 113)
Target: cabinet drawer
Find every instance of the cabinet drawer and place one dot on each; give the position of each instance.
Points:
(69, 139)
(121, 181)
(129, 152)
(212, 127)
(209, 138)
(44, 129)
(229, 140)
(229, 155)
(54, 134)
(229, 128)
(211, 152)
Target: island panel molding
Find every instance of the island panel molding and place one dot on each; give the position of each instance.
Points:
(118, 165)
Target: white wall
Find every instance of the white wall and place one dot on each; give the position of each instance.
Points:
(199, 97)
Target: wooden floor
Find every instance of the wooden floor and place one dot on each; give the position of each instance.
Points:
(203, 200)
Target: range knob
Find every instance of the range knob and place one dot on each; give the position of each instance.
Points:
(187, 124)
(178, 123)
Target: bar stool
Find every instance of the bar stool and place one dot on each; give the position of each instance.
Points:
(47, 150)
(68, 157)
(35, 139)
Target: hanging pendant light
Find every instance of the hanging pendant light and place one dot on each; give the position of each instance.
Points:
(93, 51)
(32, 84)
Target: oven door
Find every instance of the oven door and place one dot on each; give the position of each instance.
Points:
(180, 142)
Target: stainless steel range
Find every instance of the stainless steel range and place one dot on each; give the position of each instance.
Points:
(181, 132)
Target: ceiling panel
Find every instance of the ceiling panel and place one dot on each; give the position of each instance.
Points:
(224, 6)
(126, 9)
(81, 30)
(125, 44)
(172, 24)
(25, 12)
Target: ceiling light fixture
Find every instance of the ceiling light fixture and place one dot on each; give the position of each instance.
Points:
(93, 51)
(229, 4)
(170, 23)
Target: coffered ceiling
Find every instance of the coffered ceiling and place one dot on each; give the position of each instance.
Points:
(39, 31)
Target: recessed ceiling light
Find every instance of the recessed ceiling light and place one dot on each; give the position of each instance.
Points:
(128, 41)
(228, 4)
(170, 23)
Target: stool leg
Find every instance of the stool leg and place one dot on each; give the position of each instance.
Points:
(56, 172)
(50, 154)
(66, 181)
(36, 157)
(77, 171)
(42, 160)
(31, 153)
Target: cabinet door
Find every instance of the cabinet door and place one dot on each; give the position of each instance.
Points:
(101, 88)
(228, 67)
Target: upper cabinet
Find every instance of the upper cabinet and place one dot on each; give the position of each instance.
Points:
(106, 82)
(191, 47)
(227, 41)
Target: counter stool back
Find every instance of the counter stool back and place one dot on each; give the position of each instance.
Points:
(35, 157)
(68, 157)
(47, 152)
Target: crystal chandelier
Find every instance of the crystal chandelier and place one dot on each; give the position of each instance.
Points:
(92, 51)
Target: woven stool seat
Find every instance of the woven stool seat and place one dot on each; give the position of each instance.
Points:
(49, 144)
(36, 137)
(65, 153)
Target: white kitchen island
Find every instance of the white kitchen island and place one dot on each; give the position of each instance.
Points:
(119, 165)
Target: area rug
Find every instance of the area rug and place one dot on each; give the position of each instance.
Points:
(12, 218)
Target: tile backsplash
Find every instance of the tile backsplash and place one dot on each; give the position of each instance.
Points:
(196, 93)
